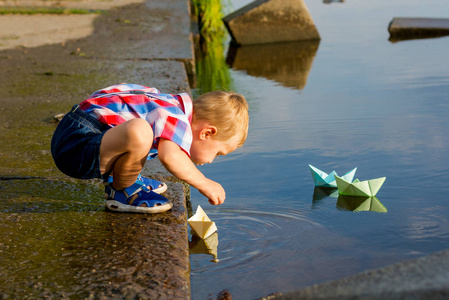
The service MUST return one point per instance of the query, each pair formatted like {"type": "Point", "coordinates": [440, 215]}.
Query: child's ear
{"type": "Point", "coordinates": [209, 131]}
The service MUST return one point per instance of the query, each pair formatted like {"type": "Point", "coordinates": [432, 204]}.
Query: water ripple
{"type": "Point", "coordinates": [250, 238]}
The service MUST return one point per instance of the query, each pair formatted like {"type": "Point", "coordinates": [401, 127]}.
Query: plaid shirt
{"type": "Point", "coordinates": [169, 115]}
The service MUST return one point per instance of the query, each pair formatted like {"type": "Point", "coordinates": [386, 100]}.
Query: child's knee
{"type": "Point", "coordinates": [139, 133]}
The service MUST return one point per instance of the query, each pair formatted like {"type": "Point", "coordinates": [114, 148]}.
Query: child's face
{"type": "Point", "coordinates": [204, 151]}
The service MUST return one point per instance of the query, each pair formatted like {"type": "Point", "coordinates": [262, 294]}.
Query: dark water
{"type": "Point", "coordinates": [353, 100]}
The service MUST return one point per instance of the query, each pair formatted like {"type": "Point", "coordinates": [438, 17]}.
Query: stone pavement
{"type": "Point", "coordinates": [56, 239]}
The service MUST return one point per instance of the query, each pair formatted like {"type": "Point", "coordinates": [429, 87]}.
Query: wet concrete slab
{"type": "Point", "coordinates": [56, 239]}
{"type": "Point", "coordinates": [423, 278]}
{"type": "Point", "coordinates": [60, 243]}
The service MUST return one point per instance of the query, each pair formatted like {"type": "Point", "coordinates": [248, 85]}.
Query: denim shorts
{"type": "Point", "coordinates": [75, 145]}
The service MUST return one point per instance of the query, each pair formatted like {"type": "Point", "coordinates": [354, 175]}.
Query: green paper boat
{"type": "Point", "coordinates": [367, 188]}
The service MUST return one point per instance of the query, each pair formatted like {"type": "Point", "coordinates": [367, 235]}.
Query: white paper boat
{"type": "Point", "coordinates": [322, 179]}
{"type": "Point", "coordinates": [367, 188]}
{"type": "Point", "coordinates": [201, 225]}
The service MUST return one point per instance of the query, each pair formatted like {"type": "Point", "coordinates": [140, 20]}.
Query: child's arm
{"type": "Point", "coordinates": [179, 164]}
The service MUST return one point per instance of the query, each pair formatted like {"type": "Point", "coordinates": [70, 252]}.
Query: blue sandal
{"type": "Point", "coordinates": [130, 199]}
{"type": "Point", "coordinates": [154, 185]}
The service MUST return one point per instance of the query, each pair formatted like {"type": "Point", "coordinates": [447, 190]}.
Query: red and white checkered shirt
{"type": "Point", "coordinates": [169, 115]}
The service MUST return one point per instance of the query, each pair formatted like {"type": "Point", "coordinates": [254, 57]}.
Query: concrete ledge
{"type": "Point", "coordinates": [423, 278]}
{"type": "Point", "coordinates": [271, 21]}
{"type": "Point", "coordinates": [56, 240]}
{"type": "Point", "coordinates": [410, 28]}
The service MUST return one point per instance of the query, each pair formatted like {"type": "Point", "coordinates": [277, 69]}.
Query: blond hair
{"type": "Point", "coordinates": [228, 111]}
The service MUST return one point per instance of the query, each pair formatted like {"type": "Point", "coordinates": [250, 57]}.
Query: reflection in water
{"type": "Point", "coordinates": [207, 246]}
{"type": "Point", "coordinates": [224, 295]}
{"type": "Point", "coordinates": [211, 69]}
{"type": "Point", "coordinates": [351, 203]}
{"type": "Point", "coordinates": [322, 192]}
{"type": "Point", "coordinates": [247, 234]}
{"type": "Point", "coordinates": [395, 39]}
{"type": "Point", "coordinates": [258, 246]}
{"type": "Point", "coordinates": [333, 1]}
{"type": "Point", "coordinates": [360, 204]}
{"type": "Point", "coordinates": [286, 63]}
{"type": "Point", "coordinates": [212, 72]}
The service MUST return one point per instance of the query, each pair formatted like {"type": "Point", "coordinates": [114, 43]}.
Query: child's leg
{"type": "Point", "coordinates": [124, 150]}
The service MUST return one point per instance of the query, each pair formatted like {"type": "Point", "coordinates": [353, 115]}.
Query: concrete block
{"type": "Point", "coordinates": [412, 28]}
{"type": "Point", "coordinates": [286, 63]}
{"type": "Point", "coordinates": [422, 278]}
{"type": "Point", "coordinates": [271, 21]}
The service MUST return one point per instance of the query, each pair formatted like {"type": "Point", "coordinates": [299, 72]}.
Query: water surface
{"type": "Point", "coordinates": [354, 99]}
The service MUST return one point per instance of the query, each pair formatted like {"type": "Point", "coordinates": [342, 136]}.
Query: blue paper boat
{"type": "Point", "coordinates": [323, 179]}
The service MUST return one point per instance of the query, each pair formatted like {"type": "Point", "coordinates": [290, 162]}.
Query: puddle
{"type": "Point", "coordinates": [356, 100]}
{"type": "Point", "coordinates": [248, 239]}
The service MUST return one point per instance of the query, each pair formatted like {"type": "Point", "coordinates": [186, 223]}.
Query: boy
{"type": "Point", "coordinates": [111, 134]}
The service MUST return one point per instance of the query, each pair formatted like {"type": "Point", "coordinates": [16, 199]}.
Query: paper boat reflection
{"type": "Point", "coordinates": [201, 225]}
{"type": "Point", "coordinates": [322, 179]}
{"type": "Point", "coordinates": [360, 204]}
{"type": "Point", "coordinates": [319, 193]}
{"type": "Point", "coordinates": [208, 246]}
{"type": "Point", "coordinates": [367, 188]}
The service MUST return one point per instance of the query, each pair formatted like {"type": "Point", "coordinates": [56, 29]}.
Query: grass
{"type": "Point", "coordinates": [211, 68]}
{"type": "Point", "coordinates": [209, 13]}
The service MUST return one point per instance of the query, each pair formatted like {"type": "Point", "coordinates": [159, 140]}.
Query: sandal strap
{"type": "Point", "coordinates": [156, 199]}
{"type": "Point", "coordinates": [127, 193]}
{"type": "Point", "coordinates": [152, 183]}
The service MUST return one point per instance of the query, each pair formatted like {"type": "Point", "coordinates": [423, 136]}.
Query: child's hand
{"type": "Point", "coordinates": [214, 192]}
{"type": "Point", "coordinates": [179, 164]}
